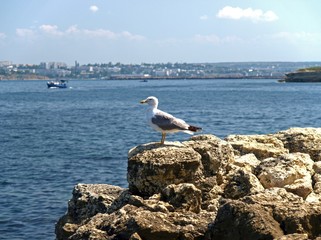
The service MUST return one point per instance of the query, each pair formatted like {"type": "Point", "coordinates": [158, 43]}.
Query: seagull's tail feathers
{"type": "Point", "coordinates": [194, 128]}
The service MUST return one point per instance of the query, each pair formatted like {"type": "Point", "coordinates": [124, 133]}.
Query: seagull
{"type": "Point", "coordinates": [165, 122]}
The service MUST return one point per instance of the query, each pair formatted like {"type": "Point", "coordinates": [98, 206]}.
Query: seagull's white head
{"type": "Point", "coordinates": [151, 101]}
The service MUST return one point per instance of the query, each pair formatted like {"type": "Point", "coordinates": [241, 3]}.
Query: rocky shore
{"type": "Point", "coordinates": [242, 187]}
{"type": "Point", "coordinates": [309, 76]}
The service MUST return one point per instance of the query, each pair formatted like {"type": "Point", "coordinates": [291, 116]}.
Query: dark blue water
{"type": "Point", "coordinates": [52, 139]}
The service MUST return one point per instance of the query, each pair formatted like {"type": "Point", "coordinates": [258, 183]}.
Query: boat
{"type": "Point", "coordinates": [57, 84]}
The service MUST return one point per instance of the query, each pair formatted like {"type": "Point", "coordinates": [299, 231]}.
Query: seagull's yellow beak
{"type": "Point", "coordinates": [143, 101]}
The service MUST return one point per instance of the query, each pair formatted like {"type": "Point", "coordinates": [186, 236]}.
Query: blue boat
{"type": "Point", "coordinates": [57, 84]}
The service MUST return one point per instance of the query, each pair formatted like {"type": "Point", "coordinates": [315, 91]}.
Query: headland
{"type": "Point", "coordinates": [312, 74]}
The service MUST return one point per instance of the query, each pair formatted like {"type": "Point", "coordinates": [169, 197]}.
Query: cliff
{"type": "Point", "coordinates": [243, 187]}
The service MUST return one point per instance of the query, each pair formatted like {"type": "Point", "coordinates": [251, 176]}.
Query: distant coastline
{"type": "Point", "coordinates": [33, 77]}
{"type": "Point", "coordinates": [157, 71]}
{"type": "Point", "coordinates": [191, 78]}
{"type": "Point", "coordinates": [24, 77]}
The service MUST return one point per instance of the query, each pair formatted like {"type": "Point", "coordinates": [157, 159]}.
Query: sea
{"type": "Point", "coordinates": [53, 139]}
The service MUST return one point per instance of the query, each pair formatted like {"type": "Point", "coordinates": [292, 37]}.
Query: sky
{"type": "Point", "coordinates": [159, 31]}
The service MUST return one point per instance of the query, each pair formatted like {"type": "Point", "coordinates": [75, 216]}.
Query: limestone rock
{"type": "Point", "coordinates": [131, 222]}
{"type": "Point", "coordinates": [242, 183]}
{"type": "Point", "coordinates": [217, 157]}
{"type": "Point", "coordinates": [87, 201]}
{"type": "Point", "coordinates": [315, 196]}
{"type": "Point", "coordinates": [200, 189]}
{"type": "Point", "coordinates": [238, 220]}
{"type": "Point", "coordinates": [269, 197]}
{"type": "Point", "coordinates": [317, 167]}
{"type": "Point", "coordinates": [248, 162]}
{"type": "Point", "coordinates": [317, 183]}
{"type": "Point", "coordinates": [303, 219]}
{"type": "Point", "coordinates": [183, 196]}
{"type": "Point", "coordinates": [291, 171]}
{"type": "Point", "coordinates": [216, 154]}
{"type": "Point", "coordinates": [294, 236]}
{"type": "Point", "coordinates": [152, 168]}
{"type": "Point", "coordinates": [294, 214]}
{"type": "Point", "coordinates": [304, 140]}
{"type": "Point", "coordinates": [262, 146]}
{"type": "Point", "coordinates": [211, 192]}
{"type": "Point", "coordinates": [271, 214]}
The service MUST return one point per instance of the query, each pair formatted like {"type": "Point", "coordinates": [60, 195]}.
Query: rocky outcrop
{"type": "Point", "coordinates": [243, 187]}
{"type": "Point", "coordinates": [306, 76]}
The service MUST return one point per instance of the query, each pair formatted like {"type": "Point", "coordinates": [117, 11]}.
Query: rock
{"type": "Point", "coordinates": [291, 171]}
{"type": "Point", "coordinates": [211, 192]}
{"type": "Point", "coordinates": [269, 197]}
{"type": "Point", "coordinates": [294, 214]}
{"type": "Point", "coordinates": [216, 154]}
{"type": "Point", "coordinates": [317, 167]}
{"type": "Point", "coordinates": [242, 183]}
{"type": "Point", "coordinates": [131, 222]}
{"type": "Point", "coordinates": [271, 214]}
{"type": "Point", "coordinates": [238, 220]}
{"type": "Point", "coordinates": [294, 236]}
{"type": "Point", "coordinates": [87, 201]}
{"type": "Point", "coordinates": [303, 76]}
{"type": "Point", "coordinates": [200, 189]}
{"type": "Point", "coordinates": [317, 183]}
{"type": "Point", "coordinates": [262, 146]}
{"type": "Point", "coordinates": [315, 196]}
{"type": "Point", "coordinates": [248, 162]}
{"type": "Point", "coordinates": [217, 157]}
{"type": "Point", "coordinates": [304, 140]}
{"type": "Point", "coordinates": [184, 196]}
{"type": "Point", "coordinates": [303, 219]}
{"type": "Point", "coordinates": [151, 168]}
{"type": "Point", "coordinates": [90, 230]}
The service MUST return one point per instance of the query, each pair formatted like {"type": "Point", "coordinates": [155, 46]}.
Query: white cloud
{"type": "Point", "coordinates": [104, 33]}
{"type": "Point", "coordinates": [214, 39]}
{"type": "Point", "coordinates": [100, 33]}
{"type": "Point", "coordinates": [74, 31]}
{"type": "Point", "coordinates": [25, 33]}
{"type": "Point", "coordinates": [51, 29]}
{"type": "Point", "coordinates": [2, 35]}
{"type": "Point", "coordinates": [131, 36]}
{"type": "Point", "coordinates": [93, 8]}
{"type": "Point", "coordinates": [255, 15]}
{"type": "Point", "coordinates": [207, 38]}
{"type": "Point", "coordinates": [204, 17]}
{"type": "Point", "coordinates": [299, 37]}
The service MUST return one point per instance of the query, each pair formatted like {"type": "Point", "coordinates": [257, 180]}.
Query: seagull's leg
{"type": "Point", "coordinates": [163, 137]}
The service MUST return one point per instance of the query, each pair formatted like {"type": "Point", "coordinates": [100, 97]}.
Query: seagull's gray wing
{"type": "Point", "coordinates": [168, 122]}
